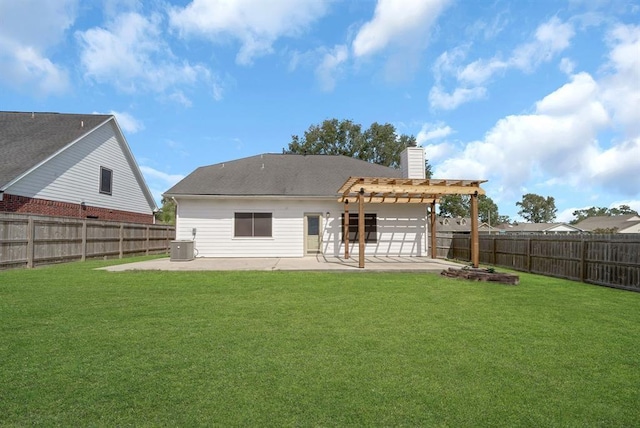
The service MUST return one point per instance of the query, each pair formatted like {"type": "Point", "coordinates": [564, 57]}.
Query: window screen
{"type": "Point", "coordinates": [252, 224]}
{"type": "Point", "coordinates": [370, 227]}
{"type": "Point", "coordinates": [106, 180]}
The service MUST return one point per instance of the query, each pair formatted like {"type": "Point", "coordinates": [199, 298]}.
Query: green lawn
{"type": "Point", "coordinates": [80, 347]}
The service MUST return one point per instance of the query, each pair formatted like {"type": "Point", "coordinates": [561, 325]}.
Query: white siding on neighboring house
{"type": "Point", "coordinates": [562, 228]}
{"type": "Point", "coordinates": [74, 175]}
{"type": "Point", "coordinates": [401, 228]}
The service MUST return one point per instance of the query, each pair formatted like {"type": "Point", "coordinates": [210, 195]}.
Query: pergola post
{"type": "Point", "coordinates": [434, 241]}
{"type": "Point", "coordinates": [361, 229]}
{"type": "Point", "coordinates": [475, 242]}
{"type": "Point", "coordinates": [346, 229]}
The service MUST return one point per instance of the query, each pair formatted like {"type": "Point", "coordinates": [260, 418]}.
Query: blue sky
{"type": "Point", "coordinates": [539, 96]}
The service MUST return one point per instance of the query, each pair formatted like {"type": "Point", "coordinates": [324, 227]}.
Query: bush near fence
{"type": "Point", "coordinates": [609, 260]}
{"type": "Point", "coordinates": [32, 240]}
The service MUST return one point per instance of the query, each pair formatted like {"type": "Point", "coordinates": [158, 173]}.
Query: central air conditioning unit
{"type": "Point", "coordinates": [181, 251]}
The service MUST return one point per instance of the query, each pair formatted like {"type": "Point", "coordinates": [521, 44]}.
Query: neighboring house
{"type": "Point", "coordinates": [461, 225]}
{"type": "Point", "coordinates": [76, 165]}
{"type": "Point", "coordinates": [629, 223]}
{"type": "Point", "coordinates": [546, 228]}
{"type": "Point", "coordinates": [286, 205]}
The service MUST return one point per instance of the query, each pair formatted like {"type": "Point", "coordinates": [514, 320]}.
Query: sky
{"type": "Point", "coordinates": [535, 96]}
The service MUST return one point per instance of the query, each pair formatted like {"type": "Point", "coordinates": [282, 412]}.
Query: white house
{"type": "Point", "coordinates": [287, 205]}
{"type": "Point", "coordinates": [77, 165]}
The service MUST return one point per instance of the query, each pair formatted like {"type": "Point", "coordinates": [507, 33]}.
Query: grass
{"type": "Point", "coordinates": [80, 347]}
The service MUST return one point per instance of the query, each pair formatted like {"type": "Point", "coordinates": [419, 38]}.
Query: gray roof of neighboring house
{"type": "Point", "coordinates": [619, 222]}
{"type": "Point", "coordinates": [278, 175]}
{"type": "Point", "coordinates": [26, 139]}
{"type": "Point", "coordinates": [534, 227]}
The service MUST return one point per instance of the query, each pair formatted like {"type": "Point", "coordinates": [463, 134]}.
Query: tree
{"type": "Point", "coordinates": [460, 206]}
{"type": "Point", "coordinates": [167, 214]}
{"type": "Point", "coordinates": [537, 209]}
{"type": "Point", "coordinates": [378, 144]}
{"type": "Point", "coordinates": [454, 206]}
{"type": "Point", "coordinates": [601, 211]}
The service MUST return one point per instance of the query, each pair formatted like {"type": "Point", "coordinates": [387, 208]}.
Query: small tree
{"type": "Point", "coordinates": [167, 214]}
{"type": "Point", "coordinates": [460, 206]}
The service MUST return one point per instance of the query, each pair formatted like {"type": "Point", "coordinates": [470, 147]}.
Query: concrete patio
{"type": "Point", "coordinates": [310, 263]}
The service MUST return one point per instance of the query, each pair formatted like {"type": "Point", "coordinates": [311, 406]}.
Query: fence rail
{"type": "Point", "coordinates": [609, 260]}
{"type": "Point", "coordinates": [31, 240]}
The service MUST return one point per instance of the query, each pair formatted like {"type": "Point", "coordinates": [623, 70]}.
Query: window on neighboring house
{"type": "Point", "coordinates": [370, 227]}
{"type": "Point", "coordinates": [106, 180]}
{"type": "Point", "coordinates": [252, 224]}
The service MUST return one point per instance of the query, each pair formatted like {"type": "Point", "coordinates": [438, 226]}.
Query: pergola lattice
{"type": "Point", "coordinates": [380, 190]}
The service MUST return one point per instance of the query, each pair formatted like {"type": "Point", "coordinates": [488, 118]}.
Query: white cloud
{"type": "Point", "coordinates": [436, 152]}
{"type": "Point", "coordinates": [550, 38]}
{"type": "Point", "coordinates": [127, 122]}
{"type": "Point", "coordinates": [330, 66]}
{"type": "Point", "coordinates": [480, 71]}
{"type": "Point", "coordinates": [559, 142]}
{"type": "Point", "coordinates": [130, 53]}
{"type": "Point", "coordinates": [621, 91]}
{"type": "Point", "coordinates": [431, 131]}
{"type": "Point", "coordinates": [567, 66]}
{"type": "Point", "coordinates": [257, 25]}
{"type": "Point", "coordinates": [25, 39]}
{"type": "Point", "coordinates": [154, 175]}
{"type": "Point", "coordinates": [617, 167]}
{"type": "Point", "coordinates": [440, 99]}
{"type": "Point", "coordinates": [397, 22]}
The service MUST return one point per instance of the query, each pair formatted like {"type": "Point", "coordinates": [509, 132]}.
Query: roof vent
{"type": "Point", "coordinates": [81, 124]}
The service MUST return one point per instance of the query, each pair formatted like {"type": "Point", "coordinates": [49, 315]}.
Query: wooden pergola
{"type": "Point", "coordinates": [378, 190]}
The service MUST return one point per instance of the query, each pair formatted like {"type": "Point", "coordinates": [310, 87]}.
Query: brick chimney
{"type": "Point", "coordinates": [412, 163]}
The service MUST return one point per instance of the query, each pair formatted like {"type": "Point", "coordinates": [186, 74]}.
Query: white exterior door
{"type": "Point", "coordinates": [312, 233]}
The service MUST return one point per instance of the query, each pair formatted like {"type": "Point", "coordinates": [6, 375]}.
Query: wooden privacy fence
{"type": "Point", "coordinates": [609, 260]}
{"type": "Point", "coordinates": [29, 240]}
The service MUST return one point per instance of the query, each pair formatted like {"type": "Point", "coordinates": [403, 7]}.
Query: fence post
{"type": "Point", "coordinates": [31, 232]}
{"type": "Point", "coordinates": [84, 240]}
{"type": "Point", "coordinates": [121, 243]}
{"type": "Point", "coordinates": [529, 255]}
{"type": "Point", "coordinates": [493, 249]}
{"type": "Point", "coordinates": [148, 232]}
{"type": "Point", "coordinates": [583, 260]}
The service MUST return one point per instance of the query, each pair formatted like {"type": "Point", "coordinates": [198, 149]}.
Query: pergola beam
{"type": "Point", "coordinates": [424, 189]}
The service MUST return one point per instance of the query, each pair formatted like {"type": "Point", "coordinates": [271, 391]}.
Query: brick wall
{"type": "Point", "coordinates": [25, 205]}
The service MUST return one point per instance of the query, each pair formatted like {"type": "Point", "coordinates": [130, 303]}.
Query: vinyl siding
{"type": "Point", "coordinates": [401, 229]}
{"type": "Point", "coordinates": [412, 163]}
{"type": "Point", "coordinates": [74, 175]}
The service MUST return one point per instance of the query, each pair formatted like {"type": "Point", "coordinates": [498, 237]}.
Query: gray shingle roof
{"type": "Point", "coordinates": [26, 139]}
{"type": "Point", "coordinates": [278, 175]}
{"type": "Point", "coordinates": [535, 227]}
{"type": "Point", "coordinates": [619, 222]}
